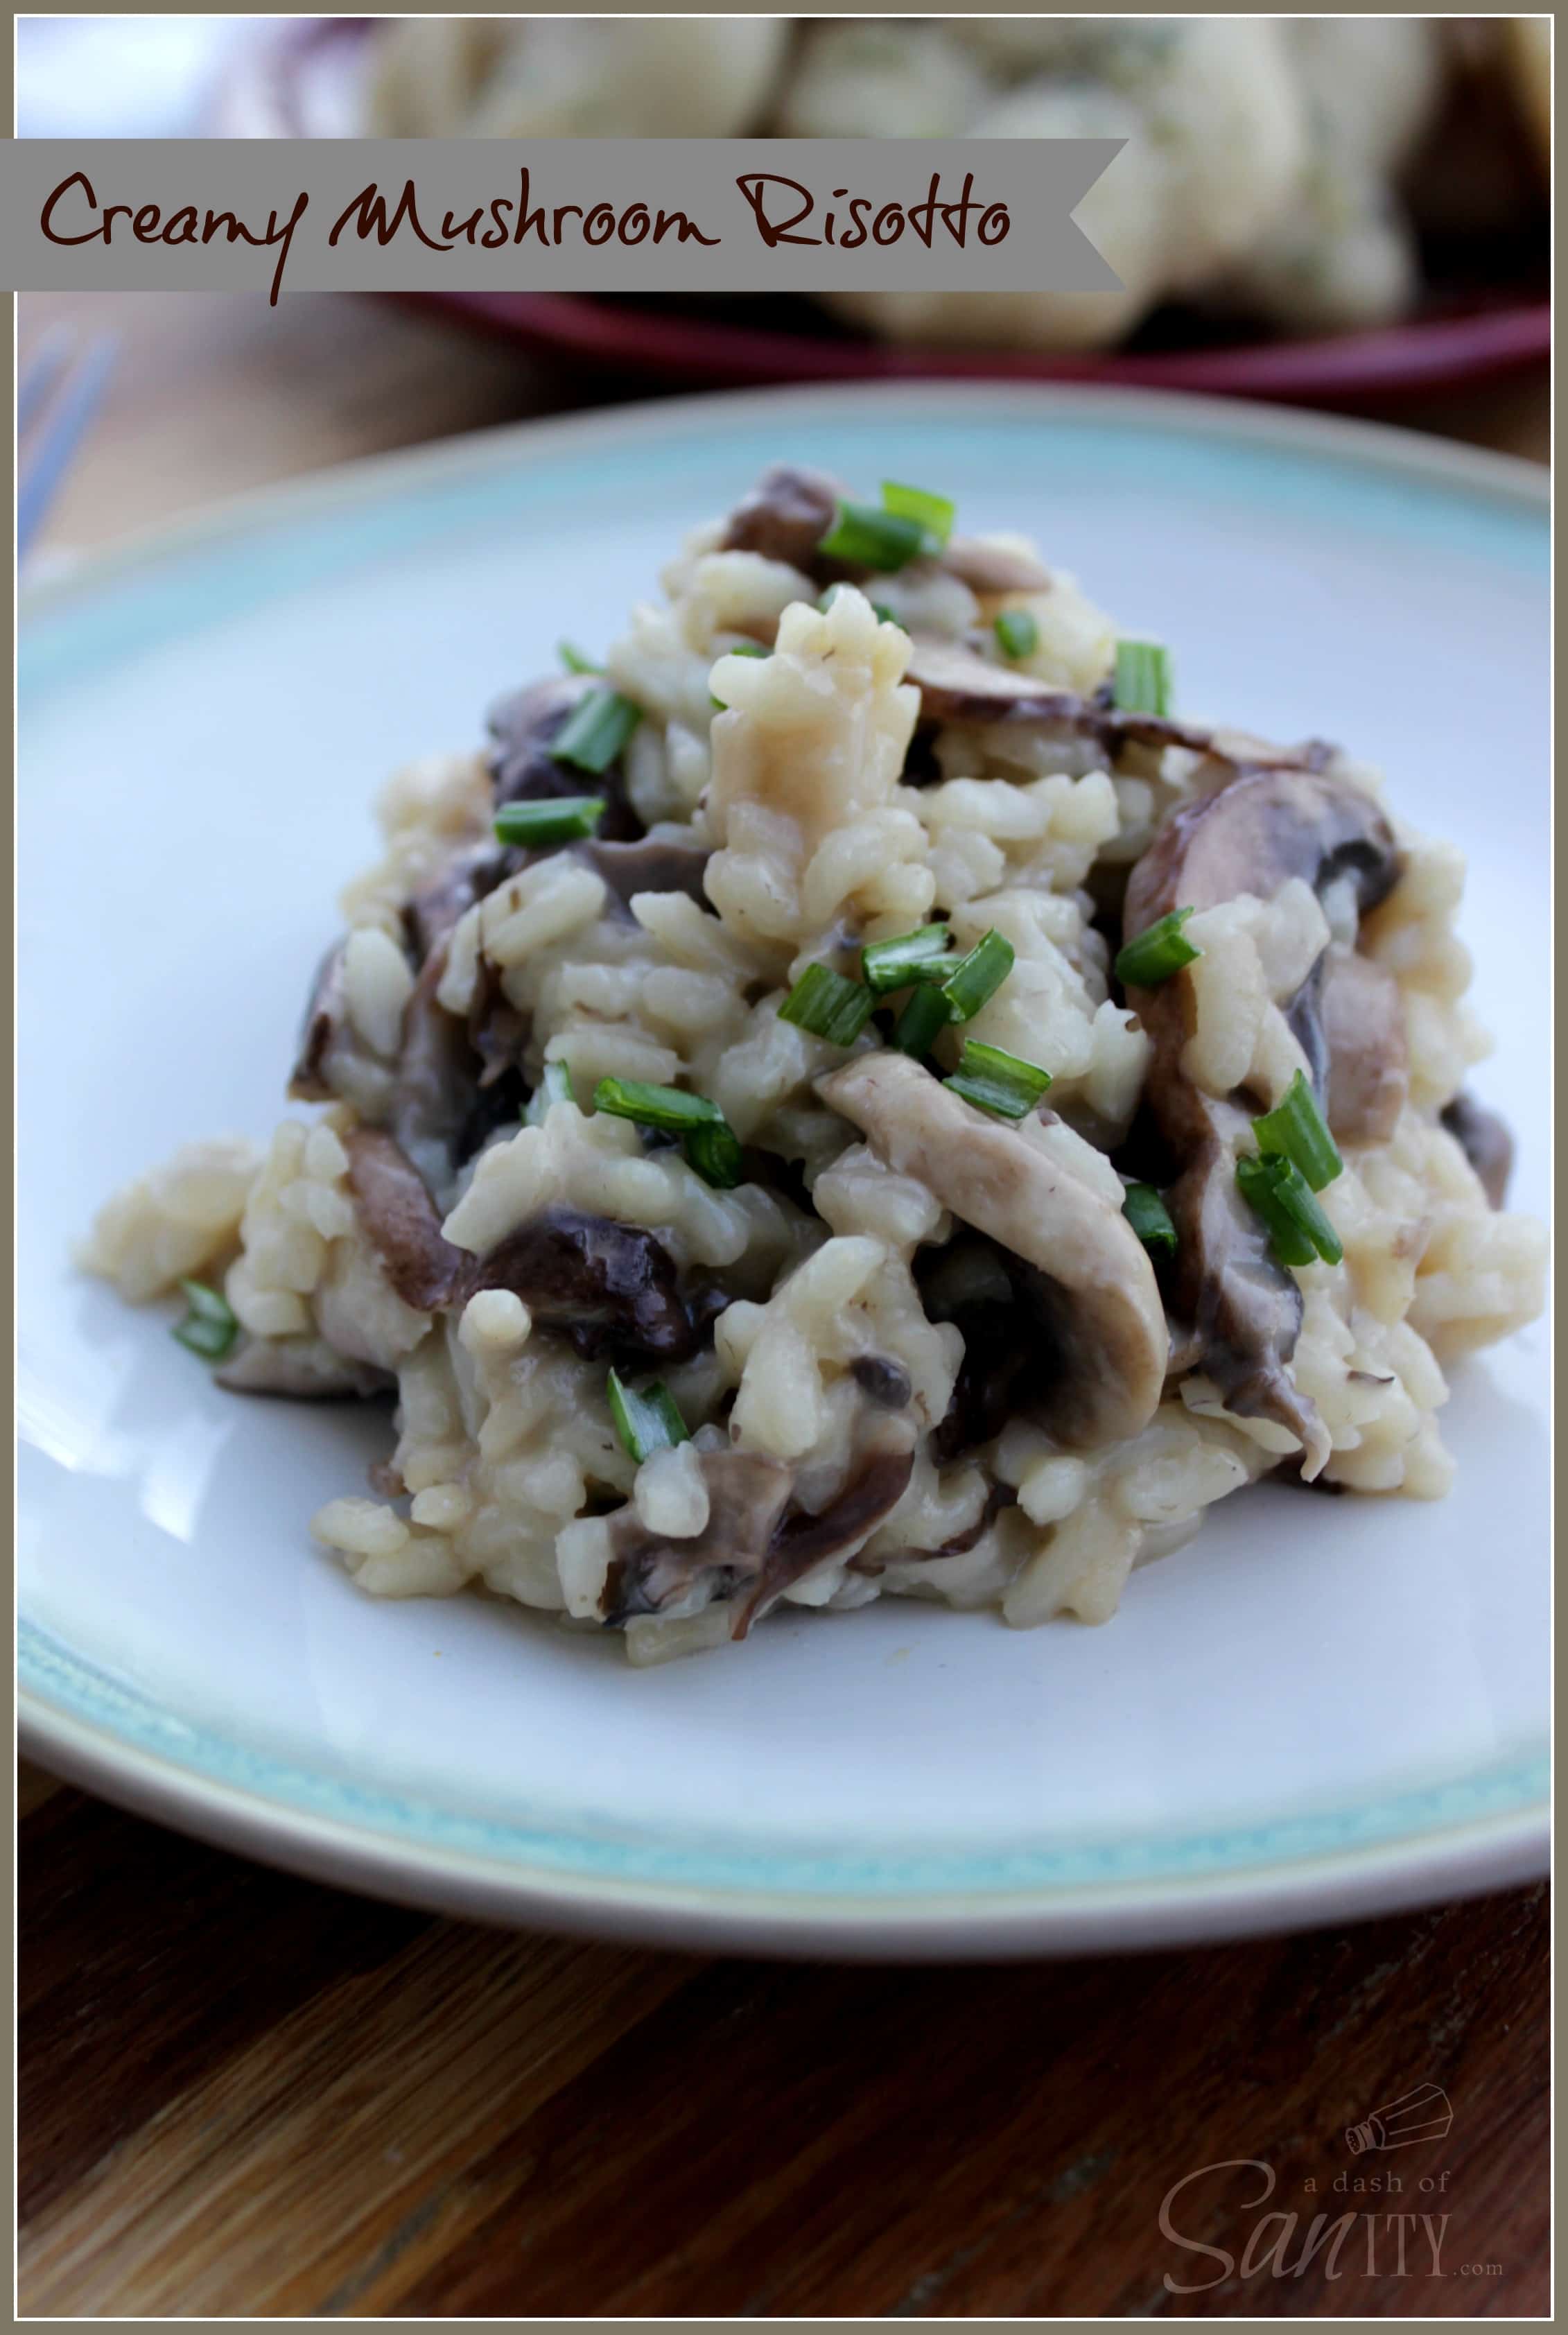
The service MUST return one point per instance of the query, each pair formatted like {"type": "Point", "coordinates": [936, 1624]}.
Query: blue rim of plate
{"type": "Point", "coordinates": [1437, 1837]}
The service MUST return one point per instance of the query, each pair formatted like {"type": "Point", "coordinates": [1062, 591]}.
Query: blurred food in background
{"type": "Point", "coordinates": [1320, 175]}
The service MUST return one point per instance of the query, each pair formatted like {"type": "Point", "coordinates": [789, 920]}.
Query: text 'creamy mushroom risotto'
{"type": "Point", "coordinates": [853, 1098]}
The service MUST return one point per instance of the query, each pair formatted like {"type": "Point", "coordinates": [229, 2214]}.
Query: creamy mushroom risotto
{"type": "Point", "coordinates": [852, 1096]}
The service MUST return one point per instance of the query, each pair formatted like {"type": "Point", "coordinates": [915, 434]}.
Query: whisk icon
{"type": "Point", "coordinates": [1421, 2115]}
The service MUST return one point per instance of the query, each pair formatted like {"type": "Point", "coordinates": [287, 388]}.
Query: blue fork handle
{"type": "Point", "coordinates": [68, 422]}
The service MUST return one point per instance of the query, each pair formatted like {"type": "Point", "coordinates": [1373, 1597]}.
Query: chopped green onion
{"type": "Point", "coordinates": [742, 648]}
{"type": "Point", "coordinates": [928, 1013]}
{"type": "Point", "coordinates": [884, 615]}
{"type": "Point", "coordinates": [646, 1420]}
{"type": "Point", "coordinates": [574, 660]}
{"type": "Point", "coordinates": [997, 1082]}
{"type": "Point", "coordinates": [669, 1108]}
{"type": "Point", "coordinates": [828, 1006]}
{"type": "Point", "coordinates": [707, 1139]}
{"type": "Point", "coordinates": [210, 1325]}
{"type": "Point", "coordinates": [864, 536]}
{"type": "Point", "coordinates": [921, 956]}
{"type": "Point", "coordinates": [1294, 1130]}
{"type": "Point", "coordinates": [1299, 1231]}
{"type": "Point", "coordinates": [596, 731]}
{"type": "Point", "coordinates": [1143, 678]}
{"type": "Point", "coordinates": [935, 513]}
{"type": "Point", "coordinates": [554, 1085]}
{"type": "Point", "coordinates": [1017, 633]}
{"type": "Point", "coordinates": [714, 1152]}
{"type": "Point", "coordinates": [978, 976]}
{"type": "Point", "coordinates": [556, 818]}
{"type": "Point", "coordinates": [1149, 1217]}
{"type": "Point", "coordinates": [1157, 953]}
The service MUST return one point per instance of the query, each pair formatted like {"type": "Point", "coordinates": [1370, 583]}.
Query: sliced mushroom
{"type": "Point", "coordinates": [400, 1219]}
{"type": "Point", "coordinates": [887, 1384]}
{"type": "Point", "coordinates": [1362, 1018]}
{"type": "Point", "coordinates": [1485, 1141]}
{"type": "Point", "coordinates": [306, 1369]}
{"type": "Point", "coordinates": [802, 1541]}
{"type": "Point", "coordinates": [432, 1108]}
{"type": "Point", "coordinates": [1251, 836]}
{"type": "Point", "coordinates": [785, 517]}
{"type": "Point", "coordinates": [660, 862]}
{"type": "Point", "coordinates": [649, 1574]}
{"type": "Point", "coordinates": [956, 683]}
{"type": "Point", "coordinates": [988, 568]}
{"type": "Point", "coordinates": [472, 871]}
{"type": "Point", "coordinates": [332, 1061]}
{"type": "Point", "coordinates": [524, 728]}
{"type": "Point", "coordinates": [612, 1289]}
{"type": "Point", "coordinates": [1099, 1367]}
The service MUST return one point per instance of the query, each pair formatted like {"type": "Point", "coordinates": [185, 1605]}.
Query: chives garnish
{"type": "Point", "coordinates": [714, 1152]}
{"type": "Point", "coordinates": [573, 658]}
{"type": "Point", "coordinates": [1299, 1231]}
{"type": "Point", "coordinates": [646, 1419]}
{"type": "Point", "coordinates": [926, 1012]}
{"type": "Point", "coordinates": [884, 615]}
{"type": "Point", "coordinates": [932, 513]}
{"type": "Point", "coordinates": [921, 955]}
{"type": "Point", "coordinates": [557, 818]}
{"type": "Point", "coordinates": [978, 976]}
{"type": "Point", "coordinates": [998, 1082]}
{"type": "Point", "coordinates": [742, 648]}
{"type": "Point", "coordinates": [210, 1325]}
{"type": "Point", "coordinates": [596, 731]}
{"type": "Point", "coordinates": [1157, 953]}
{"type": "Point", "coordinates": [1149, 1217]}
{"type": "Point", "coordinates": [828, 1006]}
{"type": "Point", "coordinates": [864, 536]}
{"type": "Point", "coordinates": [707, 1139]}
{"type": "Point", "coordinates": [1017, 633]}
{"type": "Point", "coordinates": [554, 1085]}
{"type": "Point", "coordinates": [1294, 1130]}
{"type": "Point", "coordinates": [1142, 677]}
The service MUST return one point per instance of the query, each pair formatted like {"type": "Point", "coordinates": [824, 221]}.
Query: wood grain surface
{"type": "Point", "coordinates": [242, 2094]}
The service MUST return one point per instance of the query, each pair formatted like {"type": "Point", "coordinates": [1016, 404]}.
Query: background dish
{"type": "Point", "coordinates": [307, 81]}
{"type": "Point", "coordinates": [1350, 1720]}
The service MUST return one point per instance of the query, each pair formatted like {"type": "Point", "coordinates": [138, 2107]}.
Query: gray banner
{"type": "Point", "coordinates": [581, 215]}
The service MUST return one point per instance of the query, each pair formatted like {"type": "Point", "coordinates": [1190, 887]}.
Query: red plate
{"type": "Point", "coordinates": [302, 79]}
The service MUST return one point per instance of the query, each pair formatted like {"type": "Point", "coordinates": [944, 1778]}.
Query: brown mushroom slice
{"type": "Point", "coordinates": [1362, 1018]}
{"type": "Point", "coordinates": [784, 517]}
{"type": "Point", "coordinates": [333, 1062]}
{"type": "Point", "coordinates": [1251, 836]}
{"type": "Point", "coordinates": [1087, 1276]}
{"type": "Point", "coordinates": [304, 1370]}
{"type": "Point", "coordinates": [400, 1219]}
{"type": "Point", "coordinates": [659, 862]}
{"type": "Point", "coordinates": [956, 683]}
{"type": "Point", "coordinates": [1486, 1142]}
{"type": "Point", "coordinates": [802, 1541]}
{"type": "Point", "coordinates": [651, 1574]}
{"type": "Point", "coordinates": [612, 1289]}
{"type": "Point", "coordinates": [524, 728]}
{"type": "Point", "coordinates": [988, 568]}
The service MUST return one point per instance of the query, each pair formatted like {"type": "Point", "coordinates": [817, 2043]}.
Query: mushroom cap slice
{"type": "Point", "coordinates": [1090, 1278]}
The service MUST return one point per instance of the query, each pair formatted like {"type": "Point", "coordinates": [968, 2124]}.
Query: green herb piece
{"type": "Point", "coordinates": [646, 1419]}
{"type": "Point", "coordinates": [596, 731]}
{"type": "Point", "coordinates": [828, 1006]}
{"type": "Point", "coordinates": [924, 955]}
{"type": "Point", "coordinates": [1017, 633]}
{"type": "Point", "coordinates": [934, 514]}
{"type": "Point", "coordinates": [574, 660]}
{"type": "Point", "coordinates": [1294, 1130]}
{"type": "Point", "coordinates": [926, 1013]}
{"type": "Point", "coordinates": [1149, 1217]}
{"type": "Point", "coordinates": [1157, 953]}
{"type": "Point", "coordinates": [978, 976]}
{"type": "Point", "coordinates": [554, 1085]}
{"type": "Point", "coordinates": [210, 1325]}
{"type": "Point", "coordinates": [884, 615]}
{"type": "Point", "coordinates": [1143, 678]}
{"type": "Point", "coordinates": [864, 536]}
{"type": "Point", "coordinates": [555, 818]}
{"type": "Point", "coordinates": [1299, 1231]}
{"type": "Point", "coordinates": [707, 1139]}
{"type": "Point", "coordinates": [997, 1082]}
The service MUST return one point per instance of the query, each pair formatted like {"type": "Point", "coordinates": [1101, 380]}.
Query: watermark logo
{"type": "Point", "coordinates": [1421, 2115]}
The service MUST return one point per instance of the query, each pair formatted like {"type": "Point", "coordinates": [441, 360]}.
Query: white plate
{"type": "Point", "coordinates": [1319, 1708]}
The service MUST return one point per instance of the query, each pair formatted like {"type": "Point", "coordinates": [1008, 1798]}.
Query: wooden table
{"type": "Point", "coordinates": [243, 2094]}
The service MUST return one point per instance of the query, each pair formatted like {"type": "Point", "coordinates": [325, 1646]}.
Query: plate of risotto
{"type": "Point", "coordinates": [876, 1286]}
